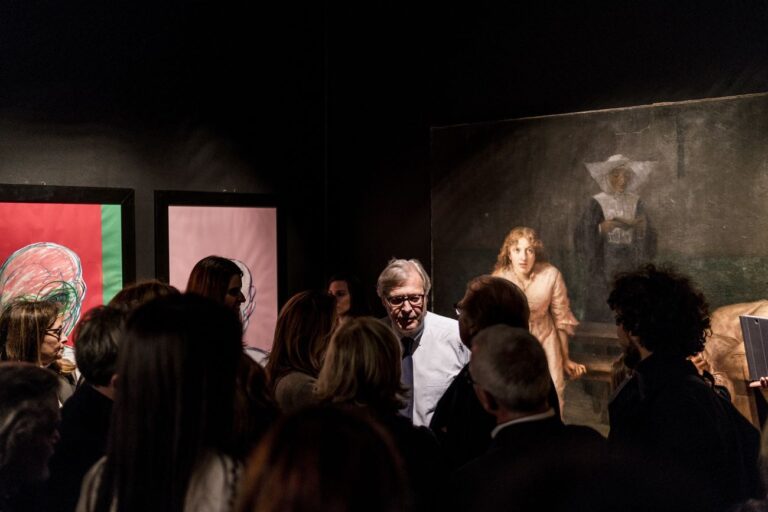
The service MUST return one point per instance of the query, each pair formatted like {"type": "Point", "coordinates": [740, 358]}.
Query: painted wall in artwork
{"type": "Point", "coordinates": [246, 235]}
{"type": "Point", "coordinates": [704, 196]}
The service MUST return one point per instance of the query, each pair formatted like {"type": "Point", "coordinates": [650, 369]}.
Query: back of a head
{"type": "Point", "coordinates": [134, 295]}
{"type": "Point", "coordinates": [28, 418]}
{"type": "Point", "coordinates": [494, 300]}
{"type": "Point", "coordinates": [362, 366]}
{"type": "Point", "coordinates": [98, 335]}
{"type": "Point", "coordinates": [663, 309]}
{"type": "Point", "coordinates": [302, 333]}
{"type": "Point", "coordinates": [22, 328]}
{"type": "Point", "coordinates": [325, 459]}
{"type": "Point", "coordinates": [210, 277]}
{"type": "Point", "coordinates": [21, 382]}
{"type": "Point", "coordinates": [511, 365]}
{"type": "Point", "coordinates": [174, 400]}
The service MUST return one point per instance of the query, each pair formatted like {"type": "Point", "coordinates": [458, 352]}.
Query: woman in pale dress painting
{"type": "Point", "coordinates": [521, 261]}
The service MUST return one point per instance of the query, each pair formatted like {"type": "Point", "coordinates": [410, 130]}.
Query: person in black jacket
{"type": "Point", "coordinates": [665, 417]}
{"type": "Point", "coordinates": [460, 423]}
{"type": "Point", "coordinates": [85, 417]}
{"type": "Point", "coordinates": [533, 454]}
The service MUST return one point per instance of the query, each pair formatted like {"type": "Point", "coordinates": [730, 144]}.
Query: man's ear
{"type": "Point", "coordinates": [634, 339]}
{"type": "Point", "coordinates": [113, 381]}
{"type": "Point", "coordinates": [487, 400]}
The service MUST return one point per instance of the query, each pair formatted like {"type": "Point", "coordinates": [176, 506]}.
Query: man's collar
{"type": "Point", "coordinates": [525, 419]}
{"type": "Point", "coordinates": [656, 371]}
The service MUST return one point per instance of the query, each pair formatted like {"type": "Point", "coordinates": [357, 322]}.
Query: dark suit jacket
{"type": "Point", "coordinates": [425, 471]}
{"type": "Point", "coordinates": [84, 428]}
{"type": "Point", "coordinates": [462, 426]}
{"type": "Point", "coordinates": [526, 467]}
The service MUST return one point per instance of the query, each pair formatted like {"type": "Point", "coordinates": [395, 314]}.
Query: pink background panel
{"type": "Point", "coordinates": [245, 234]}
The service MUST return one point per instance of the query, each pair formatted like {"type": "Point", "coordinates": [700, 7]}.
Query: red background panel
{"type": "Point", "coordinates": [75, 226]}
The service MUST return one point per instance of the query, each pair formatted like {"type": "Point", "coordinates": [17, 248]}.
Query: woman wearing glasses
{"type": "Point", "coordinates": [32, 331]}
{"type": "Point", "coordinates": [521, 260]}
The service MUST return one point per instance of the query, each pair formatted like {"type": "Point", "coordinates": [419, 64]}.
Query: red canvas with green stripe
{"type": "Point", "coordinates": [69, 252]}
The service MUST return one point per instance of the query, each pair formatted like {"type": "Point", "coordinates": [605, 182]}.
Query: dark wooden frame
{"type": "Point", "coordinates": [167, 198]}
{"type": "Point", "coordinates": [124, 197]}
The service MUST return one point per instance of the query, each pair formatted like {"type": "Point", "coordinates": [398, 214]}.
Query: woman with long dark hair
{"type": "Point", "coordinates": [172, 426]}
{"type": "Point", "coordinates": [219, 279]}
{"type": "Point", "coordinates": [301, 336]}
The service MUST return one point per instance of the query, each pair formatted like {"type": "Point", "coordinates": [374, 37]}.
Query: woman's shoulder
{"type": "Point", "coordinates": [214, 484]}
{"type": "Point", "coordinates": [545, 268]}
{"type": "Point", "coordinates": [295, 390]}
{"type": "Point", "coordinates": [292, 379]}
{"type": "Point", "coordinates": [292, 384]}
{"type": "Point", "coordinates": [505, 272]}
{"type": "Point", "coordinates": [90, 487]}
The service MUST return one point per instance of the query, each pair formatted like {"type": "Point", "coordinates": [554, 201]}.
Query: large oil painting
{"type": "Point", "coordinates": [679, 183]}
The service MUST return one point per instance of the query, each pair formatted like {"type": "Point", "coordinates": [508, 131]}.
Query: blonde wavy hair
{"type": "Point", "coordinates": [503, 262]}
{"type": "Point", "coordinates": [362, 367]}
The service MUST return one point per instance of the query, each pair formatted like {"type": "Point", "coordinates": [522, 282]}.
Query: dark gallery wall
{"type": "Point", "coordinates": [208, 96]}
{"type": "Point", "coordinates": [396, 70]}
{"type": "Point", "coordinates": [329, 105]}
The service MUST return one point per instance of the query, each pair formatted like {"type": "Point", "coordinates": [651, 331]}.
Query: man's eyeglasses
{"type": "Point", "coordinates": [414, 300]}
{"type": "Point", "coordinates": [56, 333]}
{"type": "Point", "coordinates": [457, 308]}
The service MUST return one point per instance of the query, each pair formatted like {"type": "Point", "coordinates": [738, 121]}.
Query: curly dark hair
{"type": "Point", "coordinates": [662, 308]}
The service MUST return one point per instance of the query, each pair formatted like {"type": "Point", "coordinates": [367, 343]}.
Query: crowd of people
{"type": "Point", "coordinates": [164, 409]}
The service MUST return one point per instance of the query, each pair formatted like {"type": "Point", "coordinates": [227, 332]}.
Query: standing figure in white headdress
{"type": "Point", "coordinates": [614, 234]}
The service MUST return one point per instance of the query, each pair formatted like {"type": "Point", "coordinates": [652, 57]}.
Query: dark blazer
{"type": "Point", "coordinates": [425, 470]}
{"type": "Point", "coordinates": [462, 426]}
{"type": "Point", "coordinates": [526, 467]}
{"type": "Point", "coordinates": [669, 418]}
{"type": "Point", "coordinates": [84, 428]}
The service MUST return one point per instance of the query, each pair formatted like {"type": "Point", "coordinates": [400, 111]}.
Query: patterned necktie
{"type": "Point", "coordinates": [407, 375]}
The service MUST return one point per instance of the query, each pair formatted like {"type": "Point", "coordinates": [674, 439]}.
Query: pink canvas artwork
{"type": "Point", "coordinates": [244, 234]}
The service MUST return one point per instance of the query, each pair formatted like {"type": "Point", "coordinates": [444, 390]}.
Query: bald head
{"type": "Point", "coordinates": [510, 364]}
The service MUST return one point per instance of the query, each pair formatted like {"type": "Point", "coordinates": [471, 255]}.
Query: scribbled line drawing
{"type": "Point", "coordinates": [45, 271]}
{"type": "Point", "coordinates": [249, 290]}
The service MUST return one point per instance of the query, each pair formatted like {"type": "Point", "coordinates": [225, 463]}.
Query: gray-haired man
{"type": "Point", "coordinates": [432, 350]}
